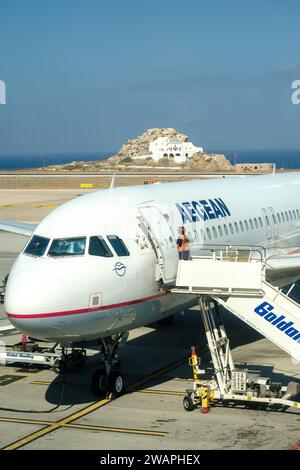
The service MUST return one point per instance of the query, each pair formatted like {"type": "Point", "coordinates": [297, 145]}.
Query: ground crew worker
{"type": "Point", "coordinates": [183, 244]}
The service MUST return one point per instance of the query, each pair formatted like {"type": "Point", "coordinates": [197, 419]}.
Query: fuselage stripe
{"type": "Point", "coordinates": [85, 310]}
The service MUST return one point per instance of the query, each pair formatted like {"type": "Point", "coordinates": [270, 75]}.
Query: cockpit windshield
{"type": "Point", "coordinates": [67, 247]}
{"type": "Point", "coordinates": [36, 246]}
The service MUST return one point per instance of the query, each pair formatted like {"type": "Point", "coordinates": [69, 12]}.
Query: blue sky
{"type": "Point", "coordinates": [86, 75]}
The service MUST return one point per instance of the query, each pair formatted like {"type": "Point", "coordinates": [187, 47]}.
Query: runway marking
{"type": "Point", "coordinates": [8, 379]}
{"type": "Point", "coordinates": [88, 427]}
{"type": "Point", "coordinates": [41, 382]}
{"type": "Point", "coordinates": [42, 432]}
{"type": "Point", "coordinates": [118, 430]}
{"type": "Point", "coordinates": [25, 421]}
{"type": "Point", "coordinates": [25, 370]}
{"type": "Point", "coordinates": [133, 387]}
{"type": "Point", "coordinates": [162, 392]}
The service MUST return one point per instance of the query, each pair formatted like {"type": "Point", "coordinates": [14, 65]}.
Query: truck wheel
{"type": "Point", "coordinates": [188, 403]}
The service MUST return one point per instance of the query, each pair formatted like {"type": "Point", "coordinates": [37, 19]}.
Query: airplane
{"type": "Point", "coordinates": [101, 264]}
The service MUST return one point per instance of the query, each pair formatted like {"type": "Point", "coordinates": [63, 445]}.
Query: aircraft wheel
{"type": "Point", "coordinates": [99, 383]}
{"type": "Point", "coordinates": [188, 403]}
{"type": "Point", "coordinates": [116, 384]}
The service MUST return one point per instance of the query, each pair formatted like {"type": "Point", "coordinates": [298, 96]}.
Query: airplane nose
{"type": "Point", "coordinates": [29, 295]}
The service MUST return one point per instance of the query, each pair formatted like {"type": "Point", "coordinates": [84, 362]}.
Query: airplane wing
{"type": "Point", "coordinates": [20, 228]}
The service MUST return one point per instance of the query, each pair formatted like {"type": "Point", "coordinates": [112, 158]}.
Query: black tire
{"type": "Point", "coordinates": [188, 403]}
{"type": "Point", "coordinates": [99, 384]}
{"type": "Point", "coordinates": [116, 384]}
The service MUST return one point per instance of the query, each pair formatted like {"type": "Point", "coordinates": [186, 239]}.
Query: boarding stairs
{"type": "Point", "coordinates": [236, 279]}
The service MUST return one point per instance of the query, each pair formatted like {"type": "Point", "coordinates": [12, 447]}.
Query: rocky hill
{"type": "Point", "coordinates": [140, 146]}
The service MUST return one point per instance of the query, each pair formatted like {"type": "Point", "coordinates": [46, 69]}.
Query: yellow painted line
{"type": "Point", "coordinates": [25, 421]}
{"type": "Point", "coordinates": [154, 375]}
{"type": "Point", "coordinates": [46, 206]}
{"type": "Point", "coordinates": [162, 392]}
{"type": "Point", "coordinates": [41, 382]}
{"type": "Point", "coordinates": [2, 206]}
{"type": "Point", "coordinates": [118, 430]}
{"type": "Point", "coordinates": [181, 379]}
{"type": "Point", "coordinates": [54, 426]}
{"type": "Point", "coordinates": [88, 427]}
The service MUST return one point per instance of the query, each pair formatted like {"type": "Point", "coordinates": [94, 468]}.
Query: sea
{"type": "Point", "coordinates": [284, 158]}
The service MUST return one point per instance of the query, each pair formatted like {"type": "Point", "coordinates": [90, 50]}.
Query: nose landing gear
{"type": "Point", "coordinates": [109, 380]}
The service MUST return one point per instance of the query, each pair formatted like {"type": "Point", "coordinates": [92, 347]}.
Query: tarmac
{"type": "Point", "coordinates": [38, 411]}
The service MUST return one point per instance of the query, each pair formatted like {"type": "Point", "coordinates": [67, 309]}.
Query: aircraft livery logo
{"type": "Point", "coordinates": [194, 211]}
{"type": "Point", "coordinates": [266, 311]}
{"type": "Point", "coordinates": [120, 269]}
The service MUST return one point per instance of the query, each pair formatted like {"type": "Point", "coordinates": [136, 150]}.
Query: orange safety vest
{"type": "Point", "coordinates": [181, 247]}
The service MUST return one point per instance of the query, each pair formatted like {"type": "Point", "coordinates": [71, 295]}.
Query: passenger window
{"type": "Point", "coordinates": [220, 230]}
{"type": "Point", "coordinates": [282, 216]}
{"type": "Point", "coordinates": [226, 230]}
{"type": "Point", "coordinates": [260, 222]}
{"type": "Point", "coordinates": [118, 245]}
{"type": "Point", "coordinates": [298, 214]}
{"type": "Point", "coordinates": [98, 247]}
{"type": "Point", "coordinates": [241, 226]}
{"type": "Point", "coordinates": [202, 235]}
{"type": "Point", "coordinates": [246, 225]}
{"type": "Point", "coordinates": [255, 223]}
{"type": "Point", "coordinates": [291, 216]}
{"type": "Point", "coordinates": [251, 224]}
{"type": "Point", "coordinates": [274, 219]}
{"type": "Point", "coordinates": [231, 228]}
{"type": "Point", "coordinates": [286, 215]}
{"type": "Point", "coordinates": [294, 214]}
{"type": "Point", "coordinates": [236, 227]}
{"type": "Point", "coordinates": [208, 233]}
{"type": "Point", "coordinates": [215, 232]}
{"type": "Point", "coordinates": [278, 217]}
{"type": "Point", "coordinates": [37, 246]}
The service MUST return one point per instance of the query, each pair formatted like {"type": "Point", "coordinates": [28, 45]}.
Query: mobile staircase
{"type": "Point", "coordinates": [235, 279]}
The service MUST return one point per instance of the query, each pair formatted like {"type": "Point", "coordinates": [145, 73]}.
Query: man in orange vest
{"type": "Point", "coordinates": [183, 244]}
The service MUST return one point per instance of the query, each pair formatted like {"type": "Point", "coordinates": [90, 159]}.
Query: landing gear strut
{"type": "Point", "coordinates": [109, 380]}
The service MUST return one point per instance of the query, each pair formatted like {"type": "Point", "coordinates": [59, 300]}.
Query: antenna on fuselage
{"type": "Point", "coordinates": [112, 183]}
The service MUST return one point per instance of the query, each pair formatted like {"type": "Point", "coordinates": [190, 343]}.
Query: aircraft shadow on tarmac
{"type": "Point", "coordinates": [170, 344]}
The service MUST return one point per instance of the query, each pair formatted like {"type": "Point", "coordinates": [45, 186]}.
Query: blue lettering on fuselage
{"type": "Point", "coordinates": [193, 211]}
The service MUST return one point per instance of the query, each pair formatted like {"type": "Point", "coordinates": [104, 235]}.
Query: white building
{"type": "Point", "coordinates": [173, 149]}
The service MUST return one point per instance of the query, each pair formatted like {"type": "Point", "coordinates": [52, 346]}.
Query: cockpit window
{"type": "Point", "coordinates": [67, 247]}
{"type": "Point", "coordinates": [98, 247]}
{"type": "Point", "coordinates": [37, 246]}
{"type": "Point", "coordinates": [118, 245]}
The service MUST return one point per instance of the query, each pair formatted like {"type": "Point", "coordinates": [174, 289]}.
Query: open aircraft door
{"type": "Point", "coordinates": [163, 242]}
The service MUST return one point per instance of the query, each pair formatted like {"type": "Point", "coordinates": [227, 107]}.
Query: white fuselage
{"type": "Point", "coordinates": [84, 296]}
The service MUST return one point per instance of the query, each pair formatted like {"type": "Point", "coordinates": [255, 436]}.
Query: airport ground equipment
{"type": "Point", "coordinates": [108, 380]}
{"type": "Point", "coordinates": [236, 280]}
{"type": "Point", "coordinates": [2, 289]}
{"type": "Point", "coordinates": [30, 353]}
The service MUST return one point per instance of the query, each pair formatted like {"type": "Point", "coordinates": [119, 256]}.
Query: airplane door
{"type": "Point", "coordinates": [274, 222]}
{"type": "Point", "coordinates": [267, 223]}
{"type": "Point", "coordinates": [162, 240]}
